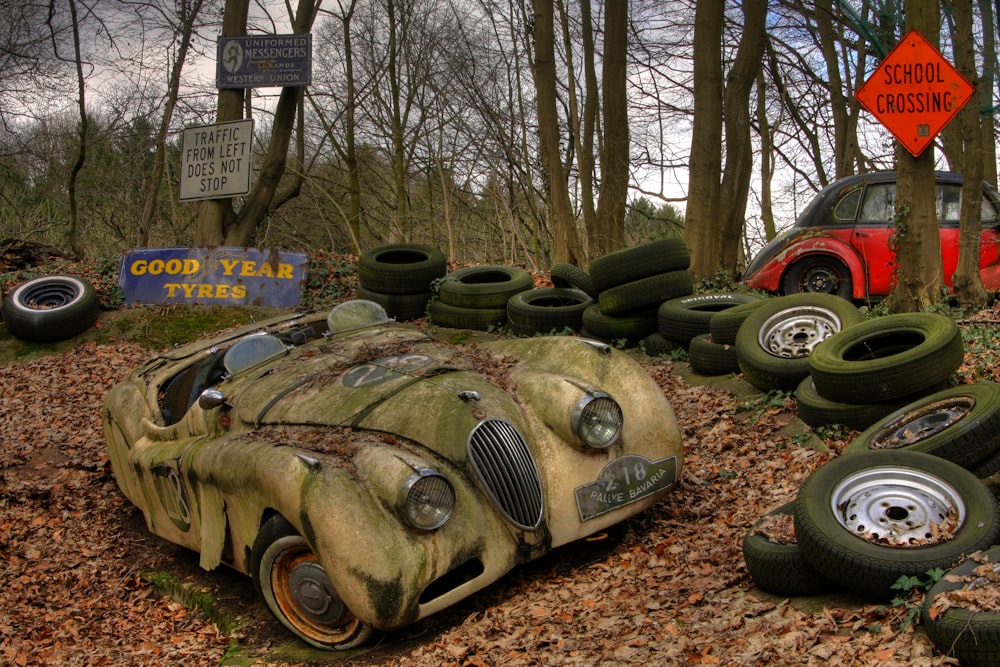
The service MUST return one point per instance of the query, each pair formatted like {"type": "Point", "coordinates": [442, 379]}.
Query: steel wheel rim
{"type": "Point", "coordinates": [923, 423]}
{"type": "Point", "coordinates": [794, 333]}
{"type": "Point", "coordinates": [820, 279]}
{"type": "Point", "coordinates": [48, 295]}
{"type": "Point", "coordinates": [898, 507]}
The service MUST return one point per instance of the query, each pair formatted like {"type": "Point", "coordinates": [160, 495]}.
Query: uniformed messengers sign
{"type": "Point", "coordinates": [915, 92]}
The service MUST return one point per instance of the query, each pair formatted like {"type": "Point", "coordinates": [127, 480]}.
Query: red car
{"type": "Point", "coordinates": [840, 243]}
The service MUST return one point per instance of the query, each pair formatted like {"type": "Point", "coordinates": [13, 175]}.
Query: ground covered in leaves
{"type": "Point", "coordinates": [668, 587]}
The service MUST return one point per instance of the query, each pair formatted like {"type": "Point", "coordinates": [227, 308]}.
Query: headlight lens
{"type": "Point", "coordinates": [430, 500]}
{"type": "Point", "coordinates": [597, 420]}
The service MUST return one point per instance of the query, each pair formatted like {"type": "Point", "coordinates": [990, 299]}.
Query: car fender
{"type": "Point", "coordinates": [810, 246]}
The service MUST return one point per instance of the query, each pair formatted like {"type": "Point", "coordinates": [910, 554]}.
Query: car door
{"type": "Point", "coordinates": [871, 235]}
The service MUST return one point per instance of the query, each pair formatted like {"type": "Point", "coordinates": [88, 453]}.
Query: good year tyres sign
{"type": "Point", "coordinates": [213, 276]}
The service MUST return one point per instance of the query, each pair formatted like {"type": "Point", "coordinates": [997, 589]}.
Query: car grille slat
{"type": "Point", "coordinates": [503, 463]}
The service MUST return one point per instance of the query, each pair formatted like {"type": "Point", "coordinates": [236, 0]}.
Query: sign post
{"type": "Point", "coordinates": [915, 92]}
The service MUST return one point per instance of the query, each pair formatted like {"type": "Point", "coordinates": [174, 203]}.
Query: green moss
{"type": "Point", "coordinates": [191, 597]}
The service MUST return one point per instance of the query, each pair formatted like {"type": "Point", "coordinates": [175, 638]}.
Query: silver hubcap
{"type": "Point", "coordinates": [793, 333]}
{"type": "Point", "coordinates": [314, 594]}
{"type": "Point", "coordinates": [924, 422]}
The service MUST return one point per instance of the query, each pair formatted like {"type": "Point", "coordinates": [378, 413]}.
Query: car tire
{"type": "Point", "coordinates": [724, 324]}
{"type": "Point", "coordinates": [486, 286]}
{"type": "Point", "coordinates": [647, 259]}
{"type": "Point", "coordinates": [50, 308]}
{"type": "Point", "coordinates": [818, 274]}
{"type": "Point", "coordinates": [973, 637]}
{"type": "Point", "coordinates": [401, 268]}
{"type": "Point", "coordinates": [655, 345]}
{"type": "Point", "coordinates": [402, 307]}
{"type": "Point", "coordinates": [888, 357]}
{"type": "Point", "coordinates": [278, 552]}
{"type": "Point", "coordinates": [546, 309]}
{"type": "Point", "coordinates": [777, 567]}
{"type": "Point", "coordinates": [864, 520]}
{"type": "Point", "coordinates": [648, 292]}
{"type": "Point", "coordinates": [710, 358]}
{"type": "Point", "coordinates": [961, 424]}
{"type": "Point", "coordinates": [815, 410]}
{"type": "Point", "coordinates": [631, 327]}
{"type": "Point", "coordinates": [775, 341]}
{"type": "Point", "coordinates": [570, 275]}
{"type": "Point", "coordinates": [683, 318]}
{"type": "Point", "coordinates": [457, 317]}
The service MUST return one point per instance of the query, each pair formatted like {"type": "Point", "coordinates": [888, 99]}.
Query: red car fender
{"type": "Point", "coordinates": [823, 244]}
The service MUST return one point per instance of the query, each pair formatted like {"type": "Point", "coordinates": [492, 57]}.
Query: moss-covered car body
{"type": "Point", "coordinates": [328, 431]}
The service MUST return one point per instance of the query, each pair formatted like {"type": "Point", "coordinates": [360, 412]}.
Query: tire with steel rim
{"type": "Point", "coordinates": [776, 565]}
{"type": "Point", "coordinates": [864, 520]}
{"type": "Point", "coordinates": [50, 308]}
{"type": "Point", "coordinates": [775, 341]}
{"type": "Point", "coordinates": [961, 424]}
{"type": "Point", "coordinates": [888, 357]}
{"type": "Point", "coordinates": [297, 590]}
{"type": "Point", "coordinates": [821, 274]}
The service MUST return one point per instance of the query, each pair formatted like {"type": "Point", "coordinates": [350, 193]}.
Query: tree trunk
{"type": "Point", "coordinates": [988, 80]}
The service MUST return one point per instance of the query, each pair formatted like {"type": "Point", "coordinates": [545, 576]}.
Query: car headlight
{"type": "Point", "coordinates": [429, 500]}
{"type": "Point", "coordinates": [597, 420]}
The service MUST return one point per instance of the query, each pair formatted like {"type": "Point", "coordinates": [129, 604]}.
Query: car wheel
{"type": "Point", "coordinates": [565, 274]}
{"type": "Point", "coordinates": [401, 268]}
{"type": "Point", "coordinates": [683, 318]}
{"type": "Point", "coordinates": [819, 274]}
{"type": "Point", "coordinates": [483, 286]}
{"type": "Point", "coordinates": [777, 566]}
{"type": "Point", "coordinates": [298, 591]}
{"type": "Point", "coordinates": [648, 292]}
{"type": "Point", "coordinates": [401, 307]}
{"type": "Point", "coordinates": [864, 520]}
{"type": "Point", "coordinates": [50, 308]}
{"type": "Point", "coordinates": [775, 341]}
{"type": "Point", "coordinates": [546, 309]}
{"type": "Point", "coordinates": [961, 424]}
{"type": "Point", "coordinates": [888, 357]}
{"type": "Point", "coordinates": [647, 259]}
{"type": "Point", "coordinates": [971, 636]}
{"type": "Point", "coordinates": [710, 358]}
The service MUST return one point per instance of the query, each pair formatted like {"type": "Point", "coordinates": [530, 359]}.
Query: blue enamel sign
{"type": "Point", "coordinates": [213, 276]}
{"type": "Point", "coordinates": [254, 61]}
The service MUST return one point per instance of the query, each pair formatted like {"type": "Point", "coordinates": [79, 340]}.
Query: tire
{"type": "Point", "coordinates": [930, 512]}
{"type": "Point", "coordinates": [775, 341]}
{"type": "Point", "coordinates": [724, 324]}
{"type": "Point", "coordinates": [483, 286]}
{"type": "Point", "coordinates": [645, 293]}
{"type": "Point", "coordinates": [401, 268]}
{"type": "Point", "coordinates": [777, 567]}
{"type": "Point", "coordinates": [818, 274]}
{"type": "Point", "coordinates": [457, 317]}
{"type": "Point", "coordinates": [278, 551]}
{"type": "Point", "coordinates": [632, 327]}
{"type": "Point", "coordinates": [547, 309]}
{"type": "Point", "coordinates": [816, 410]}
{"type": "Point", "coordinates": [888, 357]}
{"type": "Point", "coordinates": [971, 636]}
{"type": "Point", "coordinates": [961, 424]}
{"type": "Point", "coordinates": [402, 307]}
{"type": "Point", "coordinates": [710, 358]}
{"type": "Point", "coordinates": [647, 259]}
{"type": "Point", "coordinates": [655, 345]}
{"type": "Point", "coordinates": [50, 308]}
{"type": "Point", "coordinates": [683, 318]}
{"type": "Point", "coordinates": [570, 275]}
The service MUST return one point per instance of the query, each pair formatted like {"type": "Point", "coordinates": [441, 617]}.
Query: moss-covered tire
{"type": "Point", "coordinates": [570, 275]}
{"type": "Point", "coordinates": [458, 317]}
{"type": "Point", "coordinates": [816, 410]}
{"type": "Point", "coordinates": [685, 317]}
{"type": "Point", "coordinates": [647, 259]}
{"type": "Point", "coordinates": [50, 308]}
{"type": "Point", "coordinates": [864, 520]}
{"type": "Point", "coordinates": [486, 286]}
{"type": "Point", "coordinates": [547, 310]}
{"type": "Point", "coordinates": [710, 358]}
{"type": "Point", "coordinates": [631, 327]}
{"type": "Point", "coordinates": [401, 307]}
{"type": "Point", "coordinates": [971, 636]}
{"type": "Point", "coordinates": [648, 292]}
{"type": "Point", "coordinates": [778, 567]}
{"type": "Point", "coordinates": [401, 268]}
{"type": "Point", "coordinates": [888, 357]}
{"type": "Point", "coordinates": [297, 590]}
{"type": "Point", "coordinates": [655, 345]}
{"type": "Point", "coordinates": [724, 324]}
{"type": "Point", "coordinates": [961, 424]}
{"type": "Point", "coordinates": [775, 341]}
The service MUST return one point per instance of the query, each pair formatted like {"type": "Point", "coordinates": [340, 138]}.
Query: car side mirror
{"type": "Point", "coordinates": [211, 399]}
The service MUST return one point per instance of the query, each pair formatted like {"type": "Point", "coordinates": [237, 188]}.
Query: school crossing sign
{"type": "Point", "coordinates": [915, 92]}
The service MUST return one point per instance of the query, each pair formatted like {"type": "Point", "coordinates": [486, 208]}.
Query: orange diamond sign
{"type": "Point", "coordinates": [915, 92]}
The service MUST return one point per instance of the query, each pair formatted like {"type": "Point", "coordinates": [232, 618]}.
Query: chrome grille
{"type": "Point", "coordinates": [503, 463]}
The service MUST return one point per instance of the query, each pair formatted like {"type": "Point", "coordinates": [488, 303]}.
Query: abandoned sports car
{"type": "Point", "coordinates": [366, 474]}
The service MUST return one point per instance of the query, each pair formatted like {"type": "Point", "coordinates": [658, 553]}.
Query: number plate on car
{"type": "Point", "coordinates": [625, 480]}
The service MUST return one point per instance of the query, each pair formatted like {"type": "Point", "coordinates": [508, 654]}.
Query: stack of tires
{"type": "Point", "coordinates": [871, 369]}
{"type": "Point", "coordinates": [687, 321]}
{"type": "Point", "coordinates": [631, 284]}
{"type": "Point", "coordinates": [399, 277]}
{"type": "Point", "coordinates": [476, 297]}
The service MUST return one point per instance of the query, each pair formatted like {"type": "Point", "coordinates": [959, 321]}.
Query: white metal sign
{"type": "Point", "coordinates": [215, 160]}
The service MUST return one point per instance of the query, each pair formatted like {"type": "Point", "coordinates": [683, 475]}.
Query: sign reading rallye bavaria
{"type": "Point", "coordinates": [213, 276]}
